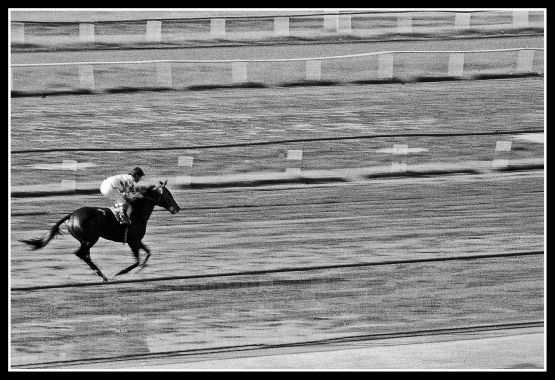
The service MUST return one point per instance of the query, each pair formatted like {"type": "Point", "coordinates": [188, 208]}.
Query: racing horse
{"type": "Point", "coordinates": [88, 224]}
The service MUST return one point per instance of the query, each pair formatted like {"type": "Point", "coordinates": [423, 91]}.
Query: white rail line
{"type": "Point", "coordinates": [273, 60]}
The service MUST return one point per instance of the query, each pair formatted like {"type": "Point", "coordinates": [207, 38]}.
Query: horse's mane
{"type": "Point", "coordinates": [145, 188]}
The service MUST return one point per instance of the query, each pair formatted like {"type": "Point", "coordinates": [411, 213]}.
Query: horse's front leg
{"type": "Point", "coordinates": [147, 250]}
{"type": "Point", "coordinates": [135, 247]}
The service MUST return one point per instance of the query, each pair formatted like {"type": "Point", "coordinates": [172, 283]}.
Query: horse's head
{"type": "Point", "coordinates": [163, 197]}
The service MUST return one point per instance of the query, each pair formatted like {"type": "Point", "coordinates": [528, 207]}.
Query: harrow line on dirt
{"type": "Point", "coordinates": [278, 270]}
{"type": "Point", "coordinates": [278, 142]}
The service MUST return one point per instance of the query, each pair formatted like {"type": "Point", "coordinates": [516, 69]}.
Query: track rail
{"type": "Point", "coordinates": [310, 343]}
{"type": "Point", "coordinates": [267, 16]}
{"type": "Point", "coordinates": [209, 61]}
{"type": "Point", "coordinates": [278, 270]}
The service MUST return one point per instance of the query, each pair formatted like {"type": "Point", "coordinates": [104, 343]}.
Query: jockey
{"type": "Point", "coordinates": [120, 189]}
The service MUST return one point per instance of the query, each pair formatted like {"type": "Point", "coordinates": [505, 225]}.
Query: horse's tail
{"type": "Point", "coordinates": [55, 230]}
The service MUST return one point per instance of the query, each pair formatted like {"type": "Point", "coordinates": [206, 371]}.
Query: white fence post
{"type": "Point", "coordinates": [239, 72]}
{"type": "Point", "coordinates": [186, 162]}
{"type": "Point", "coordinates": [404, 23]}
{"type": "Point", "coordinates": [525, 61]}
{"type": "Point", "coordinates": [69, 165]}
{"type": "Point", "coordinates": [69, 184]}
{"type": "Point", "coordinates": [462, 21]}
{"type": "Point", "coordinates": [385, 66]}
{"type": "Point", "coordinates": [86, 77]}
{"type": "Point", "coordinates": [86, 32]}
{"type": "Point", "coordinates": [520, 19]}
{"type": "Point", "coordinates": [217, 27]}
{"type": "Point", "coordinates": [500, 148]}
{"type": "Point", "coordinates": [281, 26]}
{"type": "Point", "coordinates": [400, 164]}
{"type": "Point", "coordinates": [331, 22]}
{"type": "Point", "coordinates": [313, 70]}
{"type": "Point", "coordinates": [344, 24]}
{"type": "Point", "coordinates": [18, 32]}
{"type": "Point", "coordinates": [456, 65]}
{"type": "Point", "coordinates": [294, 161]}
{"type": "Point", "coordinates": [164, 74]}
{"type": "Point", "coordinates": [153, 31]}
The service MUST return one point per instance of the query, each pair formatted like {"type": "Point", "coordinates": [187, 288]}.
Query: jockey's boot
{"type": "Point", "coordinates": [122, 215]}
{"type": "Point", "coordinates": [124, 219]}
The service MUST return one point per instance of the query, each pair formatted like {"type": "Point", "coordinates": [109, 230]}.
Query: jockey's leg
{"type": "Point", "coordinates": [125, 213]}
{"type": "Point", "coordinates": [117, 200]}
{"type": "Point", "coordinates": [119, 211]}
{"type": "Point", "coordinates": [119, 203]}
{"type": "Point", "coordinates": [129, 208]}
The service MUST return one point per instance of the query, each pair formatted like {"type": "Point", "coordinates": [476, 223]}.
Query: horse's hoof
{"type": "Point", "coordinates": [141, 267]}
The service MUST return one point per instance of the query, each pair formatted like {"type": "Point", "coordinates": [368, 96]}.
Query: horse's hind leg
{"type": "Point", "coordinates": [135, 247]}
{"type": "Point", "coordinates": [84, 253]}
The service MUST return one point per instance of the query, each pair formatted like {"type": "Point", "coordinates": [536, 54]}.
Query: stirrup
{"type": "Point", "coordinates": [125, 234]}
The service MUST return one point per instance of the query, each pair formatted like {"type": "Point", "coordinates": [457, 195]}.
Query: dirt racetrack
{"type": "Point", "coordinates": [269, 229]}
{"type": "Point", "coordinates": [228, 230]}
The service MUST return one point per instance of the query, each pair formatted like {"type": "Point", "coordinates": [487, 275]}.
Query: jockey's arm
{"type": "Point", "coordinates": [118, 190]}
{"type": "Point", "coordinates": [132, 193]}
{"type": "Point", "coordinates": [128, 193]}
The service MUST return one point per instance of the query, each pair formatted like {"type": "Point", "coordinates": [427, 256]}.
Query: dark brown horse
{"type": "Point", "coordinates": [88, 224]}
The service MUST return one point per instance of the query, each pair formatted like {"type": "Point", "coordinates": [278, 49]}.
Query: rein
{"type": "Point", "coordinates": [156, 202]}
{"type": "Point", "coordinates": [152, 199]}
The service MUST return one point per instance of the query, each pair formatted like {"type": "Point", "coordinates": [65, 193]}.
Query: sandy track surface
{"type": "Point", "coordinates": [276, 52]}
{"type": "Point", "coordinates": [407, 67]}
{"type": "Point", "coordinates": [249, 115]}
{"type": "Point", "coordinates": [521, 349]}
{"type": "Point", "coordinates": [134, 319]}
{"type": "Point", "coordinates": [332, 224]}
{"type": "Point", "coordinates": [240, 229]}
